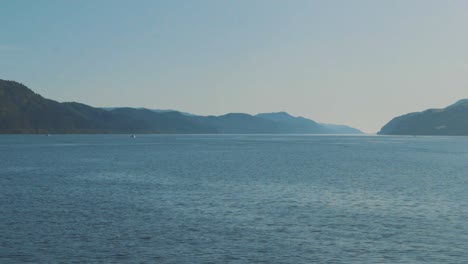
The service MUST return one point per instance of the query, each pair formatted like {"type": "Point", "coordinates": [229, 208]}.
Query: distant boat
{"type": "Point", "coordinates": [133, 136]}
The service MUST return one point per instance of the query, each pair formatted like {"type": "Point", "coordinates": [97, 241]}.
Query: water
{"type": "Point", "coordinates": [233, 199]}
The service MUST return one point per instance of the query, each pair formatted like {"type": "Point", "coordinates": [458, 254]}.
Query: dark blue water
{"type": "Point", "coordinates": [233, 199]}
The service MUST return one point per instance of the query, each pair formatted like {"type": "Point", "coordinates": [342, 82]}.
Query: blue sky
{"type": "Point", "coordinates": [350, 62]}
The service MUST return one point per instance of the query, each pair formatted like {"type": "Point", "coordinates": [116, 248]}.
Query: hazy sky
{"type": "Point", "coordinates": [352, 62]}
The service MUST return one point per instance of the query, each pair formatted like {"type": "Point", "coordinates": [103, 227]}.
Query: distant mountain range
{"type": "Point", "coordinates": [451, 121]}
{"type": "Point", "coordinates": [154, 110]}
{"type": "Point", "coordinates": [24, 112]}
{"type": "Point", "coordinates": [302, 125]}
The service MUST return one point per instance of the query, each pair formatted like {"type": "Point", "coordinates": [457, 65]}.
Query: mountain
{"type": "Point", "coordinates": [169, 110]}
{"type": "Point", "coordinates": [154, 110]}
{"type": "Point", "coordinates": [295, 125]}
{"type": "Point", "coordinates": [341, 129]}
{"type": "Point", "coordinates": [173, 122]}
{"type": "Point", "coordinates": [238, 123]}
{"type": "Point", "coordinates": [23, 111]}
{"type": "Point", "coordinates": [301, 125]}
{"type": "Point", "coordinates": [452, 120]}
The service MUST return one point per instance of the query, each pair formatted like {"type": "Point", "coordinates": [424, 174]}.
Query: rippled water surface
{"type": "Point", "coordinates": [233, 199]}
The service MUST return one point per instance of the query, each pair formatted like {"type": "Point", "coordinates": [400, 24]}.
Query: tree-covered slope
{"type": "Point", "coordinates": [23, 111]}
{"type": "Point", "coordinates": [452, 120]}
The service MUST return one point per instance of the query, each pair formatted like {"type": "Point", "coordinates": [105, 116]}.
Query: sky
{"type": "Point", "coordinates": [357, 62]}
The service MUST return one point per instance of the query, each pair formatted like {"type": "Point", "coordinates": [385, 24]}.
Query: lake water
{"type": "Point", "coordinates": [233, 199]}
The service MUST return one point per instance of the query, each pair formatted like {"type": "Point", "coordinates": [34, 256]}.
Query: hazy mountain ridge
{"type": "Point", "coordinates": [154, 110]}
{"type": "Point", "coordinates": [450, 121]}
{"type": "Point", "coordinates": [23, 111]}
{"type": "Point", "coordinates": [240, 123]}
{"type": "Point", "coordinates": [297, 125]}
{"type": "Point", "coordinates": [341, 129]}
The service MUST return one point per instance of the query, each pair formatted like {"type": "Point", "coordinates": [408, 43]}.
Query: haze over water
{"type": "Point", "coordinates": [234, 199]}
